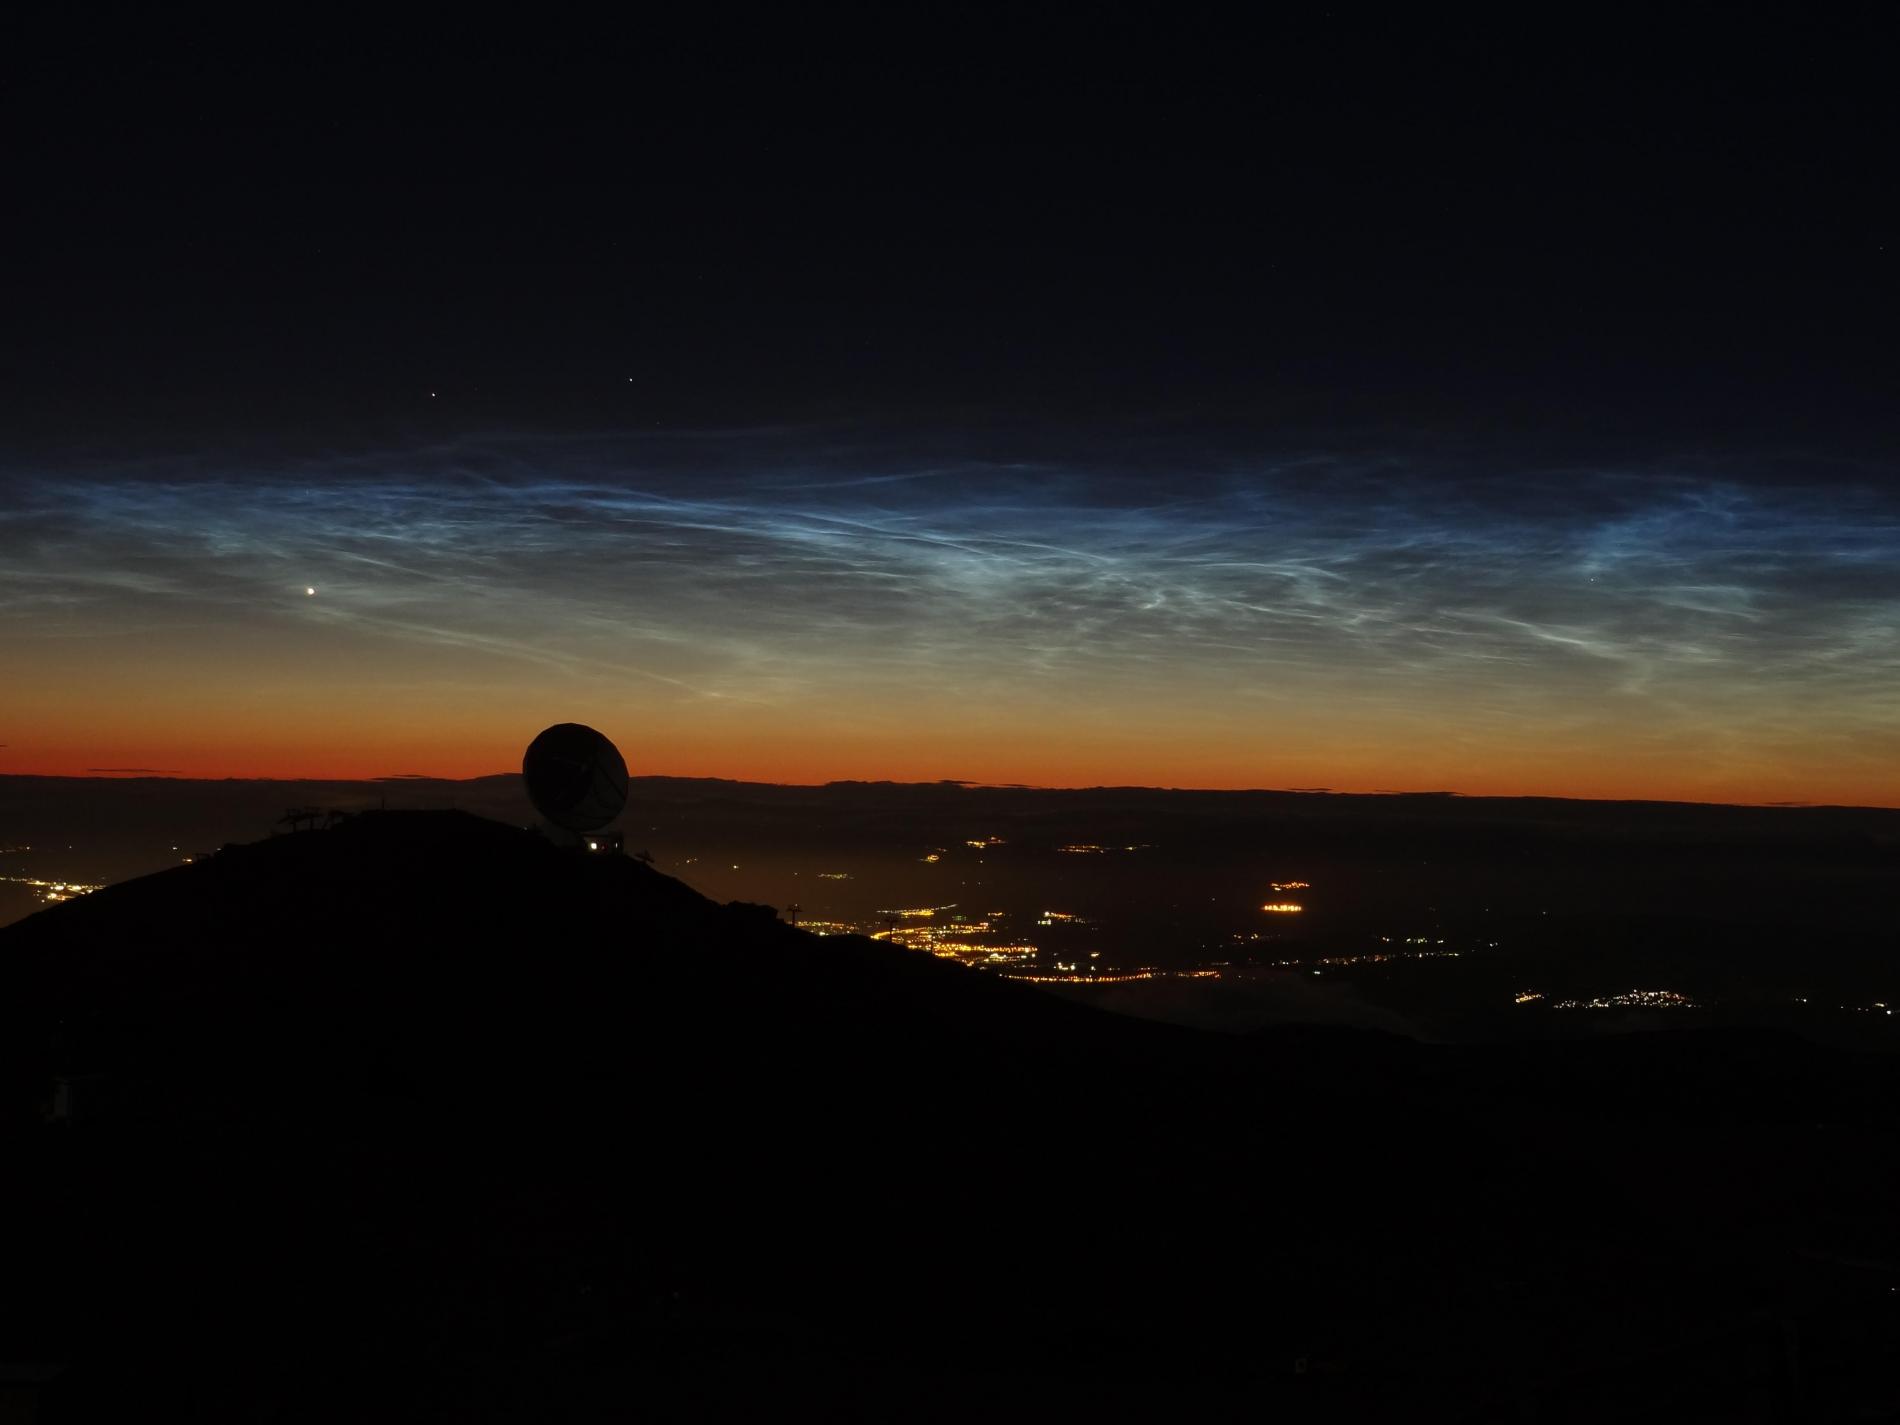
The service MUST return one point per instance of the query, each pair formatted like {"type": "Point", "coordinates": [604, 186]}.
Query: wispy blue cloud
{"type": "Point", "coordinates": [768, 567]}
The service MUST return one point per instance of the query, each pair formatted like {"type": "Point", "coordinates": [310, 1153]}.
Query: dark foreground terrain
{"type": "Point", "coordinates": [421, 1118]}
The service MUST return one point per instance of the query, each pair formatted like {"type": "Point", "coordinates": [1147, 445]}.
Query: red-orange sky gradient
{"type": "Point", "coordinates": [107, 703]}
{"type": "Point", "coordinates": [761, 612]}
{"type": "Point", "coordinates": [1367, 538]}
{"type": "Point", "coordinates": [747, 765]}
{"type": "Point", "coordinates": [1063, 425]}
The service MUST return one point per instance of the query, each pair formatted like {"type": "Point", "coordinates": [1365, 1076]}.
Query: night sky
{"type": "Point", "coordinates": [1507, 411]}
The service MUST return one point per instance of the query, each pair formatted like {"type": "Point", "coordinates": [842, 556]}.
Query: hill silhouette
{"type": "Point", "coordinates": [422, 1117]}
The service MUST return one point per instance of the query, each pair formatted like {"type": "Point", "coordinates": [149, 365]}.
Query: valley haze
{"type": "Point", "coordinates": [1427, 914]}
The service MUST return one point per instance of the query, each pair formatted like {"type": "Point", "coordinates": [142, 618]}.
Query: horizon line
{"type": "Point", "coordinates": [143, 775]}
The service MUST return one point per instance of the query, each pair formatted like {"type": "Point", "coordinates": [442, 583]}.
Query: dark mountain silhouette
{"type": "Point", "coordinates": [422, 1118]}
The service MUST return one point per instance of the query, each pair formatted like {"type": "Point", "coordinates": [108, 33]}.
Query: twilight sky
{"type": "Point", "coordinates": [807, 604]}
{"type": "Point", "coordinates": [1183, 421]}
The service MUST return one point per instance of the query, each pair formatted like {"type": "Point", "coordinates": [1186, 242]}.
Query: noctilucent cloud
{"type": "Point", "coordinates": [824, 602]}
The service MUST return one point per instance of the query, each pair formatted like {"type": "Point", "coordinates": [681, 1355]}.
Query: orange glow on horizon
{"type": "Point", "coordinates": [203, 722]}
{"type": "Point", "coordinates": [452, 760]}
{"type": "Point", "coordinates": [251, 625]}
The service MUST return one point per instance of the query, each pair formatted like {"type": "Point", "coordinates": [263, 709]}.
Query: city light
{"type": "Point", "coordinates": [52, 892]}
{"type": "Point", "coordinates": [1630, 999]}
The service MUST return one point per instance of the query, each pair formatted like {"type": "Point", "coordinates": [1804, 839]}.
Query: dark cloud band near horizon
{"type": "Point", "coordinates": [791, 603]}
